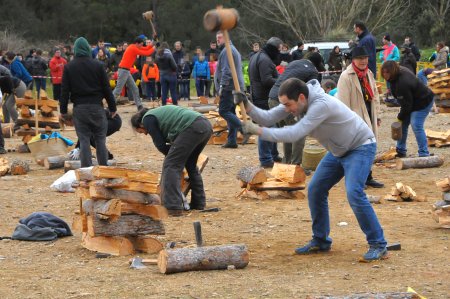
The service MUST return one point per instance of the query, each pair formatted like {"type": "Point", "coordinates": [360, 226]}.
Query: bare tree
{"type": "Point", "coordinates": [440, 10]}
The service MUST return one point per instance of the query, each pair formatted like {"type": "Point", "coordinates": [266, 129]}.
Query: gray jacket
{"type": "Point", "coordinates": [327, 119]}
{"type": "Point", "coordinates": [223, 75]}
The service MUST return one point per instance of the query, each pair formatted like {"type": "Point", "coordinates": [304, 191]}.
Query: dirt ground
{"type": "Point", "coordinates": [272, 229]}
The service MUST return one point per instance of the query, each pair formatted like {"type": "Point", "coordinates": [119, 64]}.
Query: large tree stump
{"type": "Point", "coordinates": [55, 162]}
{"type": "Point", "coordinates": [203, 258]}
{"type": "Point", "coordinates": [252, 175]}
{"type": "Point", "coordinates": [126, 225]}
{"type": "Point", "coordinates": [421, 162]}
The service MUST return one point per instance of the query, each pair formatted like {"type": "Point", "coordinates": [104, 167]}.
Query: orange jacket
{"type": "Point", "coordinates": [150, 72]}
{"type": "Point", "coordinates": [131, 53]}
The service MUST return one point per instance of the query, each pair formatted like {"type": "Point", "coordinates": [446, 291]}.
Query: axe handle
{"type": "Point", "coordinates": [233, 72]}
{"type": "Point", "coordinates": [153, 28]}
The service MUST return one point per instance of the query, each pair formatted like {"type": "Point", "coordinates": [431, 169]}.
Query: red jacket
{"type": "Point", "coordinates": [130, 54]}
{"type": "Point", "coordinates": [56, 65]}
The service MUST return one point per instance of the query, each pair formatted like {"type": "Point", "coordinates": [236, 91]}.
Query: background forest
{"type": "Point", "coordinates": [46, 23]}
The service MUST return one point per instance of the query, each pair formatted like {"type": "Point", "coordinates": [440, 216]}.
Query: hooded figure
{"type": "Point", "coordinates": [408, 59]}
{"type": "Point", "coordinates": [81, 48]}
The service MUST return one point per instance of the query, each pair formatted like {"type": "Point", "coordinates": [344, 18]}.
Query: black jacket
{"type": "Point", "coordinates": [38, 66]}
{"type": "Point", "coordinates": [297, 55]}
{"type": "Point", "coordinates": [412, 94]}
{"type": "Point", "coordinates": [166, 63]}
{"type": "Point", "coordinates": [415, 51]}
{"type": "Point", "coordinates": [115, 60]}
{"type": "Point", "coordinates": [263, 75]}
{"type": "Point", "coordinates": [85, 81]}
{"type": "Point", "coordinates": [409, 61]}
{"type": "Point", "coordinates": [302, 69]}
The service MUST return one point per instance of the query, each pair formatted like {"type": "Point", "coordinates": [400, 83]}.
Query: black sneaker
{"type": "Point", "coordinates": [313, 247]}
{"type": "Point", "coordinates": [267, 165]}
{"type": "Point", "coordinates": [400, 155]}
{"type": "Point", "coordinates": [2, 151]}
{"type": "Point", "coordinates": [230, 145]}
{"type": "Point", "coordinates": [277, 159]}
{"type": "Point", "coordinates": [374, 184]}
{"type": "Point", "coordinates": [140, 107]}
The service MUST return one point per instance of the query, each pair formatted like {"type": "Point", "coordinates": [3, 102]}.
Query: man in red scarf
{"type": "Point", "coordinates": [357, 89]}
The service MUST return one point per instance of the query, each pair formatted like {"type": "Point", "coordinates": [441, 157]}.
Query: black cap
{"type": "Point", "coordinates": [387, 37]}
{"type": "Point", "coordinates": [359, 52]}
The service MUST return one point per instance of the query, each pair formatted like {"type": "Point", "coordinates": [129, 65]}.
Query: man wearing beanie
{"type": "Point", "coordinates": [263, 75]}
{"type": "Point", "coordinates": [390, 50]}
{"type": "Point", "coordinates": [86, 84]}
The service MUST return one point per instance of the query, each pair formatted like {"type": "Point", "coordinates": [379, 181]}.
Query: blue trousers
{"type": "Point", "coordinates": [355, 167]}
{"type": "Point", "coordinates": [169, 83]}
{"type": "Point", "coordinates": [227, 109]}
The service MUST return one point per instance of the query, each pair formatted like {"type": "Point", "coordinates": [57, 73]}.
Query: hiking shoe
{"type": "Point", "coordinates": [2, 151]}
{"type": "Point", "coordinates": [312, 247]}
{"type": "Point", "coordinates": [375, 253]}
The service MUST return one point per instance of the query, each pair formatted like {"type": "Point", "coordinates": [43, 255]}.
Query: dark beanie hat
{"type": "Point", "coordinates": [299, 44]}
{"type": "Point", "coordinates": [387, 37]}
{"type": "Point", "coordinates": [81, 48]}
{"type": "Point", "coordinates": [359, 52]}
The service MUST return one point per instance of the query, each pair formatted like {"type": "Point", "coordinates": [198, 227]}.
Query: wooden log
{"type": "Point", "coordinates": [55, 162]}
{"type": "Point", "coordinates": [19, 167]}
{"type": "Point", "coordinates": [82, 192]}
{"type": "Point", "coordinates": [157, 212]}
{"type": "Point", "coordinates": [104, 209]}
{"type": "Point", "coordinates": [203, 100]}
{"type": "Point", "coordinates": [252, 175]}
{"type": "Point", "coordinates": [43, 95]}
{"type": "Point", "coordinates": [444, 136]}
{"type": "Point", "coordinates": [421, 162]}
{"type": "Point", "coordinates": [147, 244]}
{"type": "Point", "coordinates": [387, 155]}
{"type": "Point", "coordinates": [25, 111]}
{"type": "Point", "coordinates": [388, 295]}
{"type": "Point", "coordinates": [75, 164]}
{"type": "Point", "coordinates": [7, 130]}
{"type": "Point", "coordinates": [125, 225]}
{"type": "Point", "coordinates": [253, 194]}
{"type": "Point", "coordinates": [111, 245]}
{"type": "Point", "coordinates": [203, 258]}
{"type": "Point", "coordinates": [277, 185]}
{"type": "Point", "coordinates": [108, 172]}
{"type": "Point", "coordinates": [28, 94]}
{"type": "Point", "coordinates": [126, 184]}
{"type": "Point", "coordinates": [400, 187]}
{"type": "Point", "coordinates": [52, 122]}
{"type": "Point", "coordinates": [84, 174]}
{"type": "Point", "coordinates": [288, 173]}
{"type": "Point", "coordinates": [79, 223]}
{"type": "Point", "coordinates": [46, 111]}
{"type": "Point", "coordinates": [101, 192]}
{"type": "Point", "coordinates": [444, 184]}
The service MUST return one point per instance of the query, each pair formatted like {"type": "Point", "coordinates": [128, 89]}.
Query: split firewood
{"type": "Point", "coordinates": [442, 217]}
{"type": "Point", "coordinates": [101, 192]}
{"type": "Point", "coordinates": [288, 173]}
{"type": "Point", "coordinates": [203, 258]}
{"type": "Point", "coordinates": [386, 156]}
{"type": "Point", "coordinates": [444, 184]}
{"type": "Point", "coordinates": [28, 94]}
{"type": "Point", "coordinates": [201, 164]}
{"type": "Point", "coordinates": [79, 223]}
{"type": "Point", "coordinates": [52, 122]}
{"type": "Point", "coordinates": [157, 212]}
{"type": "Point", "coordinates": [46, 111]}
{"type": "Point", "coordinates": [125, 225]}
{"type": "Point", "coordinates": [108, 172]}
{"type": "Point", "coordinates": [289, 195]}
{"type": "Point", "coordinates": [276, 185]}
{"type": "Point", "coordinates": [444, 136]}
{"type": "Point", "coordinates": [146, 244]}
{"type": "Point", "coordinates": [252, 194]}
{"type": "Point", "coordinates": [112, 245]}
{"type": "Point", "coordinates": [43, 95]}
{"type": "Point", "coordinates": [125, 184]}
{"type": "Point", "coordinates": [104, 209]}
{"type": "Point", "coordinates": [25, 111]}
{"type": "Point", "coordinates": [4, 166]}
{"type": "Point", "coordinates": [390, 197]}
{"type": "Point", "coordinates": [75, 164]}
{"type": "Point", "coordinates": [252, 175]}
{"type": "Point", "coordinates": [84, 174]}
{"type": "Point", "coordinates": [421, 162]}
{"type": "Point", "coordinates": [403, 192]}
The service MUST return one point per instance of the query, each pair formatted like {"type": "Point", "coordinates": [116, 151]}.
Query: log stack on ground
{"type": "Point", "coordinates": [403, 192]}
{"type": "Point", "coordinates": [120, 210]}
{"type": "Point", "coordinates": [439, 83]}
{"type": "Point", "coordinates": [286, 180]}
{"type": "Point", "coordinates": [441, 209]}
{"type": "Point", "coordinates": [438, 139]}
{"type": "Point", "coordinates": [220, 130]}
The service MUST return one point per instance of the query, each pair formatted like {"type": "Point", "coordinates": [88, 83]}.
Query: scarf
{"type": "Point", "coordinates": [362, 76]}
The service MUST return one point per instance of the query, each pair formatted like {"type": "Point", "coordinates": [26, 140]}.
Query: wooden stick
{"type": "Point", "coordinates": [234, 73]}
{"type": "Point", "coordinates": [36, 125]}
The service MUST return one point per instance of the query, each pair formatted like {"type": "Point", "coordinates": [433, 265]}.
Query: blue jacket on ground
{"type": "Point", "coordinates": [201, 69]}
{"type": "Point", "coordinates": [19, 71]}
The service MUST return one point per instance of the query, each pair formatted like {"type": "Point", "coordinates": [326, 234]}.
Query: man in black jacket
{"type": "Point", "coordinates": [298, 53]}
{"type": "Point", "coordinates": [116, 57]}
{"type": "Point", "coordinates": [414, 49]}
{"type": "Point", "coordinates": [263, 75]}
{"type": "Point", "coordinates": [86, 84]}
{"type": "Point", "coordinates": [304, 70]}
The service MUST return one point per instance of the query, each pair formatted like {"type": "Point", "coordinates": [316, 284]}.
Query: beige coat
{"type": "Point", "coordinates": [350, 93]}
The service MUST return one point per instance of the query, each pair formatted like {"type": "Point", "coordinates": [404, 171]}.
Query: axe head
{"type": "Point", "coordinates": [148, 15]}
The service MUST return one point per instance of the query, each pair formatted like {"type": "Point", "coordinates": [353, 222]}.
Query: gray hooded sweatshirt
{"type": "Point", "coordinates": [327, 119]}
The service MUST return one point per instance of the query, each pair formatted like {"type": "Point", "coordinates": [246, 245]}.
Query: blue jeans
{"type": "Point", "coordinates": [417, 120]}
{"type": "Point", "coordinates": [200, 84]}
{"type": "Point", "coordinates": [169, 82]}
{"type": "Point", "coordinates": [355, 167]}
{"type": "Point", "coordinates": [422, 77]}
{"type": "Point", "coordinates": [151, 89]}
{"type": "Point", "coordinates": [267, 151]}
{"type": "Point", "coordinates": [185, 89]}
{"type": "Point", "coordinates": [41, 83]}
{"type": "Point", "coordinates": [227, 110]}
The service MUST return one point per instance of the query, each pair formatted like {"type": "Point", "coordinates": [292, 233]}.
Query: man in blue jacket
{"type": "Point", "coordinates": [17, 69]}
{"type": "Point", "coordinates": [367, 40]}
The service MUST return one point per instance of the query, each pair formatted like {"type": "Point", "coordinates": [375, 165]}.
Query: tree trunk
{"type": "Point", "coordinates": [252, 175]}
{"type": "Point", "coordinates": [203, 258]}
{"type": "Point", "coordinates": [55, 162]}
{"type": "Point", "coordinates": [126, 225]}
{"type": "Point", "coordinates": [421, 162]}
{"type": "Point", "coordinates": [101, 192]}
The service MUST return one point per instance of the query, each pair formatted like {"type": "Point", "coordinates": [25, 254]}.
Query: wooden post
{"type": "Point", "coordinates": [198, 233]}
{"type": "Point", "coordinates": [36, 116]}
{"type": "Point", "coordinates": [203, 258]}
{"type": "Point", "coordinates": [233, 72]}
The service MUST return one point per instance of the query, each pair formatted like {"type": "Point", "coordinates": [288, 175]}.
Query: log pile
{"type": "Point", "coordinates": [441, 209]}
{"type": "Point", "coordinates": [438, 139]}
{"type": "Point", "coordinates": [285, 179]}
{"type": "Point", "coordinates": [220, 130]}
{"type": "Point", "coordinates": [16, 167]}
{"type": "Point", "coordinates": [439, 83]}
{"type": "Point", "coordinates": [120, 210]}
{"type": "Point", "coordinates": [47, 116]}
{"type": "Point", "coordinates": [403, 192]}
